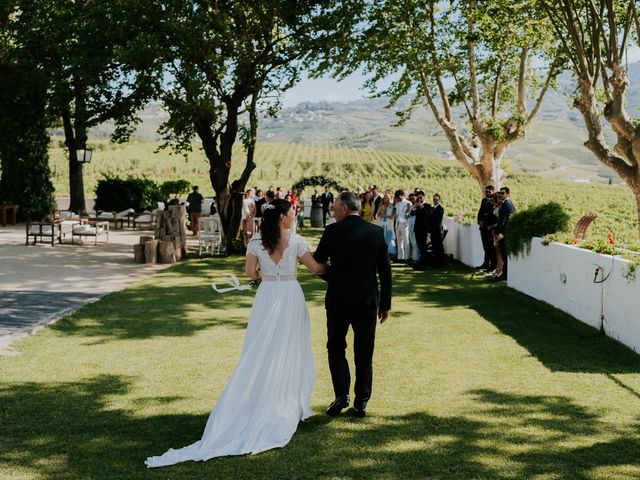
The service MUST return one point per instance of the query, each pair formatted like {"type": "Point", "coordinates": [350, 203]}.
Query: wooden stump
{"type": "Point", "coordinates": [171, 228]}
{"type": "Point", "coordinates": [166, 252]}
{"type": "Point", "coordinates": [150, 251]}
{"type": "Point", "coordinates": [177, 248]}
{"type": "Point", "coordinates": [144, 239]}
{"type": "Point", "coordinates": [138, 253]}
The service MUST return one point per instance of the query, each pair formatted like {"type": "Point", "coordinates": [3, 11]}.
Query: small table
{"type": "Point", "coordinates": [3, 213]}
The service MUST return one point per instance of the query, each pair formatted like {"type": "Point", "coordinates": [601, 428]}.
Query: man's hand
{"type": "Point", "coordinates": [383, 315]}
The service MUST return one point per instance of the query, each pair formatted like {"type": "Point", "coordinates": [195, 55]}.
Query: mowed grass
{"type": "Point", "coordinates": [471, 380]}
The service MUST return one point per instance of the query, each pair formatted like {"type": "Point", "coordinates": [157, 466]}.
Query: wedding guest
{"type": "Point", "coordinates": [260, 202]}
{"type": "Point", "coordinates": [248, 214]}
{"type": "Point", "coordinates": [385, 218]}
{"type": "Point", "coordinates": [280, 193]}
{"type": "Point", "coordinates": [421, 211]}
{"type": "Point", "coordinates": [436, 231]}
{"type": "Point", "coordinates": [506, 209]}
{"type": "Point", "coordinates": [495, 203]}
{"type": "Point", "coordinates": [367, 207]}
{"type": "Point", "coordinates": [195, 200]}
{"type": "Point", "coordinates": [403, 213]}
{"type": "Point", "coordinates": [300, 202]}
{"type": "Point", "coordinates": [415, 252]}
{"type": "Point", "coordinates": [376, 198]}
{"type": "Point", "coordinates": [485, 218]}
{"type": "Point", "coordinates": [326, 199]}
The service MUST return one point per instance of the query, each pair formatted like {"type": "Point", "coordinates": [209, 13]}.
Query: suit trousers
{"type": "Point", "coordinates": [437, 246]}
{"type": "Point", "coordinates": [489, 248]}
{"type": "Point", "coordinates": [363, 322]}
{"type": "Point", "coordinates": [421, 240]}
{"type": "Point", "coordinates": [402, 241]}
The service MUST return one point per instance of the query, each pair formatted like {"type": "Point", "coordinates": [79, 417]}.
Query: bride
{"type": "Point", "coordinates": [270, 388]}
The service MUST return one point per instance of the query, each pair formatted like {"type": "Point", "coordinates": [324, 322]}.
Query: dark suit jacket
{"type": "Point", "coordinates": [485, 213]}
{"type": "Point", "coordinates": [421, 226]}
{"type": "Point", "coordinates": [435, 219]}
{"type": "Point", "coordinates": [376, 205]}
{"type": "Point", "coordinates": [326, 199]}
{"type": "Point", "coordinates": [259, 204]}
{"type": "Point", "coordinates": [506, 209]}
{"type": "Point", "coordinates": [357, 251]}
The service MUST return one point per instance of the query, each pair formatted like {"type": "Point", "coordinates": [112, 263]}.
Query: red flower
{"type": "Point", "coordinates": [610, 238]}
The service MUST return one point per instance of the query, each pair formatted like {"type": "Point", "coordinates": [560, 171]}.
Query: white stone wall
{"type": "Point", "coordinates": [563, 276]}
{"type": "Point", "coordinates": [464, 242]}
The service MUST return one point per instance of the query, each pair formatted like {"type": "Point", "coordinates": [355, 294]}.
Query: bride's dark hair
{"type": "Point", "coordinates": [270, 226]}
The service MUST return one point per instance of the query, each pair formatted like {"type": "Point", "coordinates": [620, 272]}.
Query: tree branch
{"type": "Point", "coordinates": [521, 79]}
{"type": "Point", "coordinates": [550, 75]}
{"type": "Point", "coordinates": [473, 79]}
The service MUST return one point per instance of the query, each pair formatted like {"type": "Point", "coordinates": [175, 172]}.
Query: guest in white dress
{"type": "Point", "coordinates": [403, 213]}
{"type": "Point", "coordinates": [385, 218]}
{"type": "Point", "coordinates": [270, 389]}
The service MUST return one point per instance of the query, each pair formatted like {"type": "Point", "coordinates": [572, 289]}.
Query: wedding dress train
{"type": "Point", "coordinates": [270, 389]}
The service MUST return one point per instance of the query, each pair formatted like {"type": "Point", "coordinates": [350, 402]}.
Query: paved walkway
{"type": "Point", "coordinates": [40, 284]}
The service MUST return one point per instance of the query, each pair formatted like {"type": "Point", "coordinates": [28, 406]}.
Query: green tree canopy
{"type": "Point", "coordinates": [482, 68]}
{"type": "Point", "coordinates": [222, 63]}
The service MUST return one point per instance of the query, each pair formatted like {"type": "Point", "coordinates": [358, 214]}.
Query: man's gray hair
{"type": "Point", "coordinates": [351, 200]}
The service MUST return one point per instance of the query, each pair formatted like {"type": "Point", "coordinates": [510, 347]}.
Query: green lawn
{"type": "Point", "coordinates": [472, 380]}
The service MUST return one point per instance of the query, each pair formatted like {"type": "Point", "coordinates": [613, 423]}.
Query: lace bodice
{"type": "Point", "coordinates": [288, 264]}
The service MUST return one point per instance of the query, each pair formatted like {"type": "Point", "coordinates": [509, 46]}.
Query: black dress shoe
{"type": "Point", "coordinates": [337, 406]}
{"type": "Point", "coordinates": [360, 409]}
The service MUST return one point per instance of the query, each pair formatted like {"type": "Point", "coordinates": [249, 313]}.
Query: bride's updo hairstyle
{"type": "Point", "coordinates": [270, 226]}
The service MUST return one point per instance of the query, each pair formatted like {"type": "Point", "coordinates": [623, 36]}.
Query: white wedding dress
{"type": "Point", "coordinates": [270, 389]}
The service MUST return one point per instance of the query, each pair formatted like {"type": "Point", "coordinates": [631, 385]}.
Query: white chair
{"type": "Point", "coordinates": [93, 229]}
{"type": "Point", "coordinates": [206, 206]}
{"type": "Point", "coordinates": [210, 235]}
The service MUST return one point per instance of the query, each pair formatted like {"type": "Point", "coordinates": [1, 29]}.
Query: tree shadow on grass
{"type": "Point", "coordinates": [164, 305]}
{"type": "Point", "coordinates": [69, 431]}
{"type": "Point", "coordinates": [555, 338]}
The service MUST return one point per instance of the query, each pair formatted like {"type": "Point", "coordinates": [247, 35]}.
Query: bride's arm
{"type": "Point", "coordinates": [251, 267]}
{"type": "Point", "coordinates": [313, 266]}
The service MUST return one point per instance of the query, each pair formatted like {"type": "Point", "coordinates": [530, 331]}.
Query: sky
{"type": "Point", "coordinates": [327, 89]}
{"type": "Point", "coordinates": [330, 90]}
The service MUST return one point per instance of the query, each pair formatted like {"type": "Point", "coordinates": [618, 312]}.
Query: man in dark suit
{"type": "Point", "coordinates": [485, 217]}
{"type": "Point", "coordinates": [358, 257]}
{"type": "Point", "coordinates": [506, 209]}
{"type": "Point", "coordinates": [376, 198]}
{"type": "Point", "coordinates": [422, 212]}
{"type": "Point", "coordinates": [436, 231]}
{"type": "Point", "coordinates": [326, 199]}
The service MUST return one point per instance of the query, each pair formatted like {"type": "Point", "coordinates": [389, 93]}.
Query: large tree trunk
{"type": "Point", "coordinates": [76, 180]}
{"type": "Point", "coordinates": [229, 196]}
{"type": "Point", "coordinates": [624, 157]}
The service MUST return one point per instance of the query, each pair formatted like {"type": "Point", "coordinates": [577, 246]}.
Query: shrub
{"type": "Point", "coordinates": [536, 221]}
{"type": "Point", "coordinates": [115, 194]}
{"type": "Point", "coordinates": [175, 187]}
